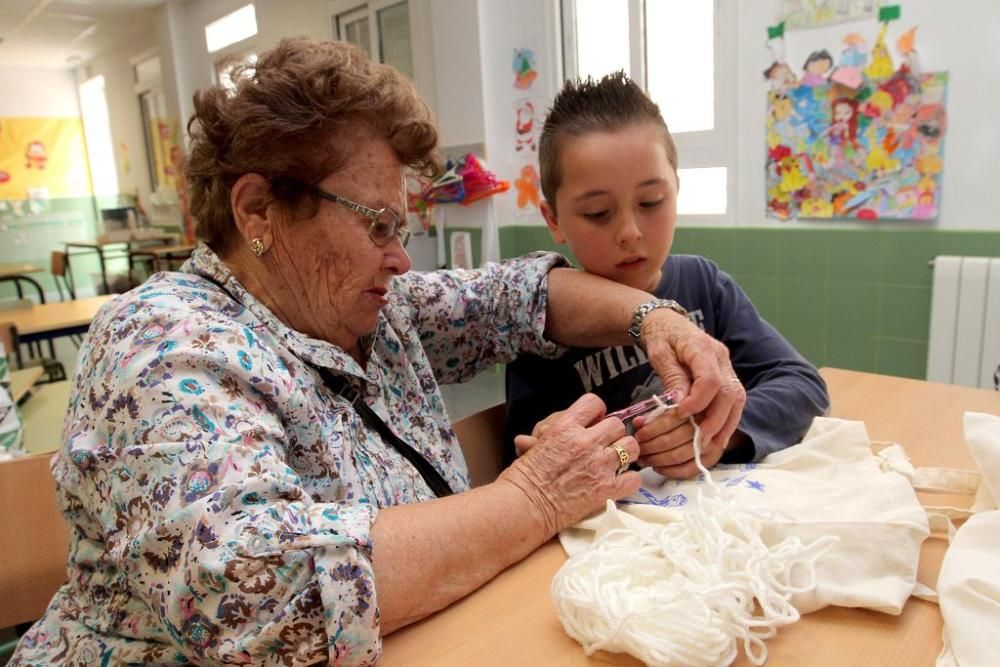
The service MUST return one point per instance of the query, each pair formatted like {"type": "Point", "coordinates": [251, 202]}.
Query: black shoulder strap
{"type": "Point", "coordinates": [430, 474]}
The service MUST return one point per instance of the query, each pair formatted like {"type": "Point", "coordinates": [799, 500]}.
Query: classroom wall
{"type": "Point", "coordinates": [37, 92]}
{"type": "Point", "coordinates": [963, 38]}
{"type": "Point", "coordinates": [40, 93]}
{"type": "Point", "coordinates": [123, 111]}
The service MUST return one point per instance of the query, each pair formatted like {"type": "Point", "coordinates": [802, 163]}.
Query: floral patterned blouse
{"type": "Point", "coordinates": [221, 497]}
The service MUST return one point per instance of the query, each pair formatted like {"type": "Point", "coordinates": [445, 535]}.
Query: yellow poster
{"type": "Point", "coordinates": [43, 157]}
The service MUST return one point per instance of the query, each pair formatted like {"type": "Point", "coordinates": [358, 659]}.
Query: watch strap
{"type": "Point", "coordinates": [635, 329]}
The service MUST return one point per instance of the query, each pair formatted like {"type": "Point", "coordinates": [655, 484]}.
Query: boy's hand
{"type": "Point", "coordinates": [666, 445]}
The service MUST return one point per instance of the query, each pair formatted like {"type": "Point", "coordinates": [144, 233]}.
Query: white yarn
{"type": "Point", "coordinates": [684, 593]}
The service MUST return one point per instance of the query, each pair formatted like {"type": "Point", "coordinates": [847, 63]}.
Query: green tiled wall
{"type": "Point", "coordinates": [84, 265]}
{"type": "Point", "coordinates": [851, 298]}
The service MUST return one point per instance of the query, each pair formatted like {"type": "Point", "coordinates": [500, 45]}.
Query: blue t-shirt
{"type": "Point", "coordinates": [784, 391]}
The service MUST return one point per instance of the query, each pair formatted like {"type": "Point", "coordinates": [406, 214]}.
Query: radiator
{"type": "Point", "coordinates": [964, 340]}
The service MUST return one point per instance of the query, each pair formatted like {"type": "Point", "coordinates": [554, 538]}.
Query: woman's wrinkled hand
{"type": "Point", "coordinates": [569, 465]}
{"type": "Point", "coordinates": [696, 365]}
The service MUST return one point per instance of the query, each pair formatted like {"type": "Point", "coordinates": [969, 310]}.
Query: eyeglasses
{"type": "Point", "coordinates": [385, 224]}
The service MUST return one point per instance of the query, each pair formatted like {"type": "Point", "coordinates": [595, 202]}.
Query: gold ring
{"type": "Point", "coordinates": [623, 458]}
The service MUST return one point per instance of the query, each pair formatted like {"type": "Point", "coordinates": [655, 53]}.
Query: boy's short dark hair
{"type": "Point", "coordinates": [611, 103]}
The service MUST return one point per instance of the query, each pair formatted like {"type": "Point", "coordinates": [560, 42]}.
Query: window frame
{"type": "Point", "coordinates": [421, 50]}
{"type": "Point", "coordinates": [340, 10]}
{"type": "Point", "coordinates": [698, 149]}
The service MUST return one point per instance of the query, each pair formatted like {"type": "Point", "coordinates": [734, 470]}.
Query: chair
{"type": "Point", "coordinates": [34, 540]}
{"type": "Point", "coordinates": [20, 281]}
{"type": "Point", "coordinates": [480, 436]}
{"type": "Point", "coordinates": [54, 370]}
{"type": "Point", "coordinates": [60, 276]}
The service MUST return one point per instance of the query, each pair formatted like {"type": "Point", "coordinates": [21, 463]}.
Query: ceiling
{"type": "Point", "coordinates": [60, 34]}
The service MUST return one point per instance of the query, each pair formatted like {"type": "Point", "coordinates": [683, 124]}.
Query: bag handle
{"type": "Point", "coordinates": [431, 476]}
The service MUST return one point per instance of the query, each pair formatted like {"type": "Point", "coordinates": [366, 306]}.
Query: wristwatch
{"type": "Point", "coordinates": [635, 329]}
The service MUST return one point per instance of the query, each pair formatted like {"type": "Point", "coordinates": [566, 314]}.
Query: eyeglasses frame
{"type": "Point", "coordinates": [402, 230]}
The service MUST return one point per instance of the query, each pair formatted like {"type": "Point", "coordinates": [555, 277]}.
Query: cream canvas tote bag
{"type": "Point", "coordinates": [832, 484]}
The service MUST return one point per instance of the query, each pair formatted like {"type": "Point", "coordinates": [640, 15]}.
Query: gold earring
{"type": "Point", "coordinates": [257, 246]}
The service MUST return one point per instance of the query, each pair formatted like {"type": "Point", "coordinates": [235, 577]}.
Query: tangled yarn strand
{"type": "Point", "coordinates": [684, 593]}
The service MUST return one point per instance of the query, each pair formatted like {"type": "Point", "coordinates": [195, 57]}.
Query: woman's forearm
{"type": "Point", "coordinates": [428, 555]}
{"type": "Point", "coordinates": [585, 310]}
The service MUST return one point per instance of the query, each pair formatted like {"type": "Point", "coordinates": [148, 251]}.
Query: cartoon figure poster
{"type": "Point", "coordinates": [857, 140]}
{"type": "Point", "coordinates": [44, 153]}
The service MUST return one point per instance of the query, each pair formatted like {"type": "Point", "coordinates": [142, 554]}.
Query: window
{"type": "Point", "coordinates": [381, 28]}
{"type": "Point", "coordinates": [231, 28]}
{"type": "Point", "coordinates": [97, 130]}
{"type": "Point", "coordinates": [680, 53]}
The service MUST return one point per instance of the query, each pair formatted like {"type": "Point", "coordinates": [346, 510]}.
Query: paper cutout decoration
{"type": "Point", "coordinates": [780, 77]}
{"type": "Point", "coordinates": [881, 64]}
{"type": "Point", "coordinates": [464, 181]}
{"type": "Point", "coordinates": [527, 125]}
{"type": "Point", "coordinates": [813, 13]}
{"type": "Point", "coordinates": [525, 71]}
{"type": "Point", "coordinates": [848, 72]}
{"type": "Point", "coordinates": [871, 151]}
{"type": "Point", "coordinates": [527, 185]}
{"type": "Point", "coordinates": [817, 68]}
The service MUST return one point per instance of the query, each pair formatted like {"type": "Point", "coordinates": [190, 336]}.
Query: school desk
{"type": "Point", "coordinates": [17, 270]}
{"type": "Point", "coordinates": [511, 620]}
{"type": "Point", "coordinates": [162, 256]}
{"type": "Point", "coordinates": [114, 249]}
{"type": "Point", "coordinates": [51, 320]}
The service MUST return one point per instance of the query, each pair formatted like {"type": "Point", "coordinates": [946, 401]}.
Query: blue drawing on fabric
{"type": "Point", "coordinates": [735, 481]}
{"type": "Point", "coordinates": [674, 500]}
{"type": "Point", "coordinates": [755, 485]}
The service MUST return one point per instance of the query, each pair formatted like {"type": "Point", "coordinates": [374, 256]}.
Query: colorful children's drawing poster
{"type": "Point", "coordinates": [814, 13]}
{"type": "Point", "coordinates": [42, 153]}
{"type": "Point", "coordinates": [860, 140]}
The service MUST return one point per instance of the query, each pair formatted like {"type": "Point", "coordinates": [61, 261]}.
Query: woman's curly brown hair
{"type": "Point", "coordinates": [287, 110]}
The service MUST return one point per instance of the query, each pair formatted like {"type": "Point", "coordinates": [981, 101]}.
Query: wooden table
{"type": "Point", "coordinates": [511, 621]}
{"type": "Point", "coordinates": [50, 320]}
{"type": "Point", "coordinates": [162, 254]}
{"type": "Point", "coordinates": [11, 270]}
{"type": "Point", "coordinates": [102, 247]}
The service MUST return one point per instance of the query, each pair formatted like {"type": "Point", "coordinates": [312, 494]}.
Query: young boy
{"type": "Point", "coordinates": [609, 177]}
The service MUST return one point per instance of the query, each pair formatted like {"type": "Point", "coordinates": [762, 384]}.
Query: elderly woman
{"type": "Point", "coordinates": [255, 443]}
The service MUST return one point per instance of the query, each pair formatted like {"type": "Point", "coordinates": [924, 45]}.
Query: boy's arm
{"type": "Point", "coordinates": [784, 390]}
